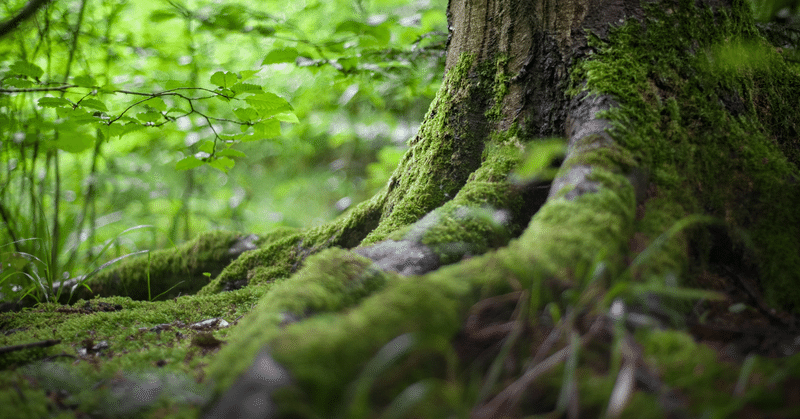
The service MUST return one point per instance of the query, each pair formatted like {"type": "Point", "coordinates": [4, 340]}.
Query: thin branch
{"type": "Point", "coordinates": [39, 89]}
{"type": "Point", "coordinates": [29, 10]}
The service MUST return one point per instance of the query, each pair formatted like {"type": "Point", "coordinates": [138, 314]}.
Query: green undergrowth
{"type": "Point", "coordinates": [676, 94]}
{"type": "Point", "coordinates": [715, 387]}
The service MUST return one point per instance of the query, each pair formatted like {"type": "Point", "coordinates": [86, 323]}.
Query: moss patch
{"type": "Point", "coordinates": [165, 273]}
{"type": "Point", "coordinates": [111, 346]}
{"type": "Point", "coordinates": [717, 133]}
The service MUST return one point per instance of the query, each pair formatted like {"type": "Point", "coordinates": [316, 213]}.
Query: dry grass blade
{"type": "Point", "coordinates": [508, 399]}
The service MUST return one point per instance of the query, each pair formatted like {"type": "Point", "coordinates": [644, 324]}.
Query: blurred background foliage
{"type": "Point", "coordinates": [90, 167]}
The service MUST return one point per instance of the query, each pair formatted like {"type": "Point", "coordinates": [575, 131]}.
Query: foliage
{"type": "Point", "coordinates": [130, 113]}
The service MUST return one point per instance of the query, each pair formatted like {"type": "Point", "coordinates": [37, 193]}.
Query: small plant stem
{"type": "Point", "coordinates": [54, 237]}
{"type": "Point", "coordinates": [9, 229]}
{"type": "Point", "coordinates": [187, 233]}
{"type": "Point", "coordinates": [32, 182]}
{"type": "Point", "coordinates": [89, 205]}
{"type": "Point", "coordinates": [149, 297]}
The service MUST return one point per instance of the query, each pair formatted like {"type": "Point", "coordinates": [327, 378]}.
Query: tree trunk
{"type": "Point", "coordinates": [461, 284]}
{"type": "Point", "coordinates": [660, 124]}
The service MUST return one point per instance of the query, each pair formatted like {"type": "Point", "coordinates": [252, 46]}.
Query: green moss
{"type": "Point", "coordinates": [594, 227]}
{"type": "Point", "coordinates": [697, 117]}
{"type": "Point", "coordinates": [694, 368]}
{"type": "Point", "coordinates": [334, 279]}
{"type": "Point", "coordinates": [442, 155]}
{"type": "Point", "coordinates": [322, 351]}
{"type": "Point", "coordinates": [331, 281]}
{"type": "Point", "coordinates": [272, 261]}
{"type": "Point", "coordinates": [501, 78]}
{"type": "Point", "coordinates": [131, 352]}
{"type": "Point", "coordinates": [659, 215]}
{"type": "Point", "coordinates": [163, 273]}
{"type": "Point", "coordinates": [480, 217]}
{"type": "Point", "coordinates": [284, 252]}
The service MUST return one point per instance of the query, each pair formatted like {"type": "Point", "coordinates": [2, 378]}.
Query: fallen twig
{"type": "Point", "coordinates": [39, 344]}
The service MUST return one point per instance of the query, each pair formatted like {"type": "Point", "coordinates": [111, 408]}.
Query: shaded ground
{"type": "Point", "coordinates": [506, 355]}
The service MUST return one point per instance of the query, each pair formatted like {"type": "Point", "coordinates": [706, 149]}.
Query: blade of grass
{"type": "Point", "coordinates": [508, 343]}
{"type": "Point", "coordinates": [377, 365]}
{"type": "Point", "coordinates": [404, 403]}
{"type": "Point", "coordinates": [568, 382]}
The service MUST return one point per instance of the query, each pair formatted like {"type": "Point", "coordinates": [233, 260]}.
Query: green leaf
{"type": "Point", "coordinates": [76, 116]}
{"type": "Point", "coordinates": [73, 141]}
{"type": "Point", "coordinates": [348, 63]}
{"type": "Point", "coordinates": [224, 79]}
{"type": "Point", "coordinates": [265, 30]}
{"type": "Point", "coordinates": [173, 84]}
{"type": "Point", "coordinates": [54, 102]}
{"type": "Point", "coordinates": [268, 104]}
{"type": "Point", "coordinates": [540, 155]}
{"type": "Point", "coordinates": [26, 69]}
{"type": "Point", "coordinates": [381, 34]}
{"type": "Point", "coordinates": [109, 88]}
{"type": "Point", "coordinates": [270, 128]}
{"type": "Point", "coordinates": [84, 81]}
{"type": "Point", "coordinates": [157, 103]}
{"type": "Point", "coordinates": [223, 163]}
{"type": "Point", "coordinates": [162, 15]}
{"type": "Point", "coordinates": [231, 17]}
{"type": "Point", "coordinates": [17, 82]}
{"type": "Point", "coordinates": [289, 117]}
{"type": "Point", "coordinates": [207, 147]}
{"type": "Point", "coordinates": [250, 138]}
{"type": "Point", "coordinates": [225, 94]}
{"type": "Point", "coordinates": [118, 130]}
{"type": "Point", "coordinates": [246, 114]}
{"type": "Point", "coordinates": [284, 55]}
{"type": "Point", "coordinates": [247, 74]}
{"type": "Point", "coordinates": [149, 116]}
{"type": "Point", "coordinates": [177, 110]}
{"type": "Point", "coordinates": [246, 88]}
{"type": "Point", "coordinates": [351, 26]}
{"type": "Point", "coordinates": [230, 152]}
{"type": "Point", "coordinates": [188, 162]}
{"type": "Point", "coordinates": [93, 104]}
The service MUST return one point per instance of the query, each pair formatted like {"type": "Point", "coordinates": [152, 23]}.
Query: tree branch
{"type": "Point", "coordinates": [26, 12]}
